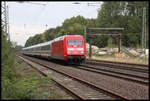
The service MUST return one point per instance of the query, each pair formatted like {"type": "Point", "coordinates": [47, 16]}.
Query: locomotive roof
{"type": "Point", "coordinates": [49, 42]}
{"type": "Point", "coordinates": [62, 37]}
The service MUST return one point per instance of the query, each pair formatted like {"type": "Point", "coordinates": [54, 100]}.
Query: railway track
{"type": "Point", "coordinates": [120, 65]}
{"type": "Point", "coordinates": [111, 91]}
{"type": "Point", "coordinates": [74, 87]}
{"type": "Point", "coordinates": [134, 76]}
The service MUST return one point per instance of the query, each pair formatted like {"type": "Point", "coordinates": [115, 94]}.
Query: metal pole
{"type": "Point", "coordinates": [145, 27]}
{"type": "Point", "coordinates": [46, 26]}
{"type": "Point", "coordinates": [4, 19]}
{"type": "Point", "coordinates": [119, 42]}
{"type": "Point", "coordinates": [143, 30]}
{"type": "Point", "coordinates": [90, 50]}
{"type": "Point", "coordinates": [8, 23]}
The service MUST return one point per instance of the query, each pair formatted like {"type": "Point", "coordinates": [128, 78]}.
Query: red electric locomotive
{"type": "Point", "coordinates": [70, 48]}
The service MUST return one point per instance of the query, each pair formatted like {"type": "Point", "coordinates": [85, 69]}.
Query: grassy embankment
{"type": "Point", "coordinates": [27, 83]}
{"type": "Point", "coordinates": [19, 81]}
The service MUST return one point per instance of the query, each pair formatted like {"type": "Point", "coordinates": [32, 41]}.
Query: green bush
{"type": "Point", "coordinates": [27, 87]}
{"type": "Point", "coordinates": [13, 87]}
{"type": "Point", "coordinates": [8, 75]}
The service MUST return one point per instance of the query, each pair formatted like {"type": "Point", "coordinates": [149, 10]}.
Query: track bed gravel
{"type": "Point", "coordinates": [136, 73]}
{"type": "Point", "coordinates": [80, 88]}
{"type": "Point", "coordinates": [121, 87]}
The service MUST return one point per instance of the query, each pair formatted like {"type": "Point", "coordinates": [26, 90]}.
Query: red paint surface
{"type": "Point", "coordinates": [60, 47]}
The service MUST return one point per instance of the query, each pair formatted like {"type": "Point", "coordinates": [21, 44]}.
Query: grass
{"type": "Point", "coordinates": [28, 84]}
{"type": "Point", "coordinates": [104, 55]}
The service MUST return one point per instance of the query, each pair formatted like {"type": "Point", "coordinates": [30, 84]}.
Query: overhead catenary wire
{"type": "Point", "coordinates": [36, 16]}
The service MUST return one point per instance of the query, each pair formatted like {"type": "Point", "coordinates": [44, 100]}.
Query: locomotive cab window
{"type": "Point", "coordinates": [74, 42]}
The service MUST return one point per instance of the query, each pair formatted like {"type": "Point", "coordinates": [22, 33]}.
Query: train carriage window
{"type": "Point", "coordinates": [38, 49]}
{"type": "Point", "coordinates": [50, 47]}
{"type": "Point", "coordinates": [47, 47]}
{"type": "Point", "coordinates": [42, 48]}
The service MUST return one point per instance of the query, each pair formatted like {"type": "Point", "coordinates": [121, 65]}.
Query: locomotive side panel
{"type": "Point", "coordinates": [57, 50]}
{"type": "Point", "coordinates": [65, 48]}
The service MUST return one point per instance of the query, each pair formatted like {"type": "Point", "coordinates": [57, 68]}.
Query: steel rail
{"type": "Point", "coordinates": [143, 65]}
{"type": "Point", "coordinates": [118, 65]}
{"type": "Point", "coordinates": [86, 82]}
{"type": "Point", "coordinates": [59, 83]}
{"type": "Point", "coordinates": [116, 74]}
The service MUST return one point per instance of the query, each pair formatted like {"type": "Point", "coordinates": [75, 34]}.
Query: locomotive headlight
{"type": "Point", "coordinates": [80, 49]}
{"type": "Point", "coordinates": [69, 52]}
{"type": "Point", "coordinates": [82, 52]}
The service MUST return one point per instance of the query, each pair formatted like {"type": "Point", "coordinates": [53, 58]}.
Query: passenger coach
{"type": "Point", "coordinates": [70, 48]}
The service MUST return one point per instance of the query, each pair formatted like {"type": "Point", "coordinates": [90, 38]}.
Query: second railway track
{"type": "Point", "coordinates": [120, 65]}
{"type": "Point", "coordinates": [123, 74]}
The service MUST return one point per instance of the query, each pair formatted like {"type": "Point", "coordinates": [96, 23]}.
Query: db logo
{"type": "Point", "coordinates": [74, 46]}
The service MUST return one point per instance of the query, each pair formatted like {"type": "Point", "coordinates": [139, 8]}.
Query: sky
{"type": "Point", "coordinates": [27, 19]}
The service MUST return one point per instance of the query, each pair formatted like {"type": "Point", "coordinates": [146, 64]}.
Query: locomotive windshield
{"type": "Point", "coordinates": [74, 42]}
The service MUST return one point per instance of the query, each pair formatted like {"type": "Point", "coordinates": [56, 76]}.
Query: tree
{"type": "Point", "coordinates": [74, 25]}
{"type": "Point", "coordinates": [123, 14]}
{"type": "Point", "coordinates": [50, 34]}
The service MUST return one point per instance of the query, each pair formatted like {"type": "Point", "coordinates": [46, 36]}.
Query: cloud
{"type": "Point", "coordinates": [20, 33]}
{"type": "Point", "coordinates": [28, 19]}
